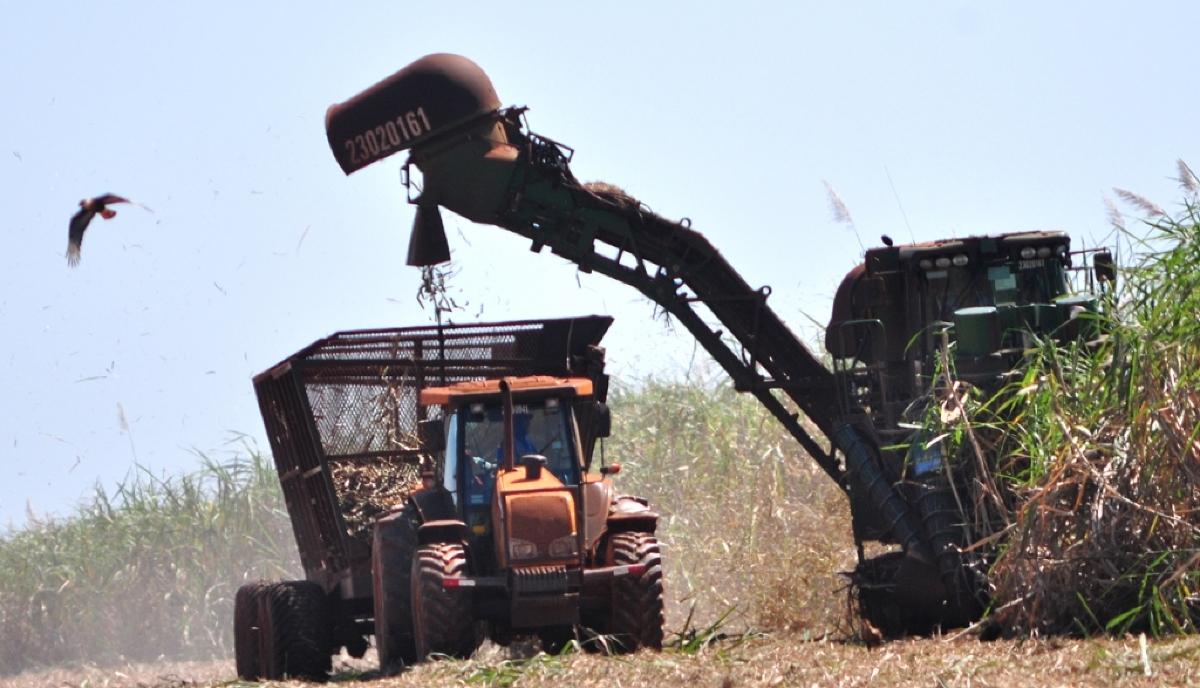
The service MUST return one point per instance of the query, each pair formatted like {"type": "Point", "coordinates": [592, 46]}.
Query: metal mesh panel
{"type": "Point", "coordinates": [363, 419]}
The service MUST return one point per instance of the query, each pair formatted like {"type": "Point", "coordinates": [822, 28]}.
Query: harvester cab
{"type": "Point", "coordinates": [990, 295]}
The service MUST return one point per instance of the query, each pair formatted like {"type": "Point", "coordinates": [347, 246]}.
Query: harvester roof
{"type": "Point", "coordinates": [462, 391]}
{"type": "Point", "coordinates": [884, 258]}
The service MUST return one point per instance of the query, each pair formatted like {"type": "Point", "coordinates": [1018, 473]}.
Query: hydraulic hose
{"type": "Point", "coordinates": [862, 465]}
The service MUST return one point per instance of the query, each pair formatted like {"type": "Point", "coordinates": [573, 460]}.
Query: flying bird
{"type": "Point", "coordinates": [88, 208]}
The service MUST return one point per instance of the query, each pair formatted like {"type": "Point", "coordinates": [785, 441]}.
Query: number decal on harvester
{"type": "Point", "coordinates": [372, 143]}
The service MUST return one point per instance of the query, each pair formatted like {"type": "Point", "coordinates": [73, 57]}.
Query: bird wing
{"type": "Point", "coordinates": [79, 223]}
{"type": "Point", "coordinates": [110, 198]}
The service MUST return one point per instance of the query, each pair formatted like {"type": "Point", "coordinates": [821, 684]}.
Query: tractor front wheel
{"type": "Point", "coordinates": [443, 622]}
{"type": "Point", "coordinates": [638, 612]}
{"type": "Point", "coordinates": [392, 550]}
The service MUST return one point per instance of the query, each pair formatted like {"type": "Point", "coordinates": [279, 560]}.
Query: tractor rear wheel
{"type": "Point", "coordinates": [443, 622]}
{"type": "Point", "coordinates": [246, 630]}
{"type": "Point", "coordinates": [295, 627]}
{"type": "Point", "coordinates": [638, 612]}
{"type": "Point", "coordinates": [393, 545]}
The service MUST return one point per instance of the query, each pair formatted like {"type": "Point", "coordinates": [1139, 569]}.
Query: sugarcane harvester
{"type": "Point", "coordinates": [889, 329]}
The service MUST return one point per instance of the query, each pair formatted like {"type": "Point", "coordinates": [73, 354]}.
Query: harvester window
{"type": "Point", "coordinates": [1040, 280]}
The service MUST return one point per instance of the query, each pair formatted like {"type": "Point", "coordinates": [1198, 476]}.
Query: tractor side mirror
{"type": "Point", "coordinates": [533, 463]}
{"type": "Point", "coordinates": [432, 434]}
{"type": "Point", "coordinates": [1104, 267]}
{"type": "Point", "coordinates": [603, 420]}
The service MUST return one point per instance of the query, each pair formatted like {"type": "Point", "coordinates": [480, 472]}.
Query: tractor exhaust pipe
{"type": "Point", "coordinates": [510, 438]}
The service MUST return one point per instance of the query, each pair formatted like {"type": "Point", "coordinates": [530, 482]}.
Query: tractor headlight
{"type": "Point", "coordinates": [563, 547]}
{"type": "Point", "coordinates": [521, 549]}
{"type": "Point", "coordinates": [1028, 253]}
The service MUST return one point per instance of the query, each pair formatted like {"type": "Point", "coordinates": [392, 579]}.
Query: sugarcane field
{"type": "Point", "coordinates": [780, 345]}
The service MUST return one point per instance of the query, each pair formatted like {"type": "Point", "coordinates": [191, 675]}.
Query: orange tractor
{"type": "Point", "coordinates": [441, 488]}
{"type": "Point", "coordinates": [518, 534]}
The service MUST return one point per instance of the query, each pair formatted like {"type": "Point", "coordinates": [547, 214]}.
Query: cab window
{"type": "Point", "coordinates": [538, 428]}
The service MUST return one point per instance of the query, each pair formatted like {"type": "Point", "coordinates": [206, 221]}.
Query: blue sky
{"type": "Point", "coordinates": [986, 117]}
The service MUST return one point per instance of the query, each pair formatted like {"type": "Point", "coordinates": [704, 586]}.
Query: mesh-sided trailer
{"type": "Point", "coordinates": [341, 416]}
{"type": "Point", "coordinates": [344, 422]}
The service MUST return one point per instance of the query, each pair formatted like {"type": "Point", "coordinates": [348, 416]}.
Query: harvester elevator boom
{"type": "Point", "coordinates": [483, 163]}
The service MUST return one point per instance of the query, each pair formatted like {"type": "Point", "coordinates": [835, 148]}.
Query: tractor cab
{"type": "Point", "coordinates": [513, 458]}
{"type": "Point", "coordinates": [515, 532]}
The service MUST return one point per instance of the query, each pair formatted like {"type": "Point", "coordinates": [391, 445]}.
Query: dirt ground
{"type": "Point", "coordinates": [776, 660]}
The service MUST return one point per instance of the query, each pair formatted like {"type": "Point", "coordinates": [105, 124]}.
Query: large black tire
{"type": "Point", "coordinates": [638, 611]}
{"type": "Point", "coordinates": [555, 639]}
{"type": "Point", "coordinates": [247, 640]}
{"type": "Point", "coordinates": [295, 623]}
{"type": "Point", "coordinates": [393, 545]}
{"type": "Point", "coordinates": [442, 619]}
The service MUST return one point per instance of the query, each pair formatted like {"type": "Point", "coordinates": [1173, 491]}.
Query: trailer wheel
{"type": "Point", "coordinates": [295, 628]}
{"type": "Point", "coordinates": [442, 619]}
{"type": "Point", "coordinates": [247, 641]}
{"type": "Point", "coordinates": [637, 614]}
{"type": "Point", "coordinates": [394, 542]}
